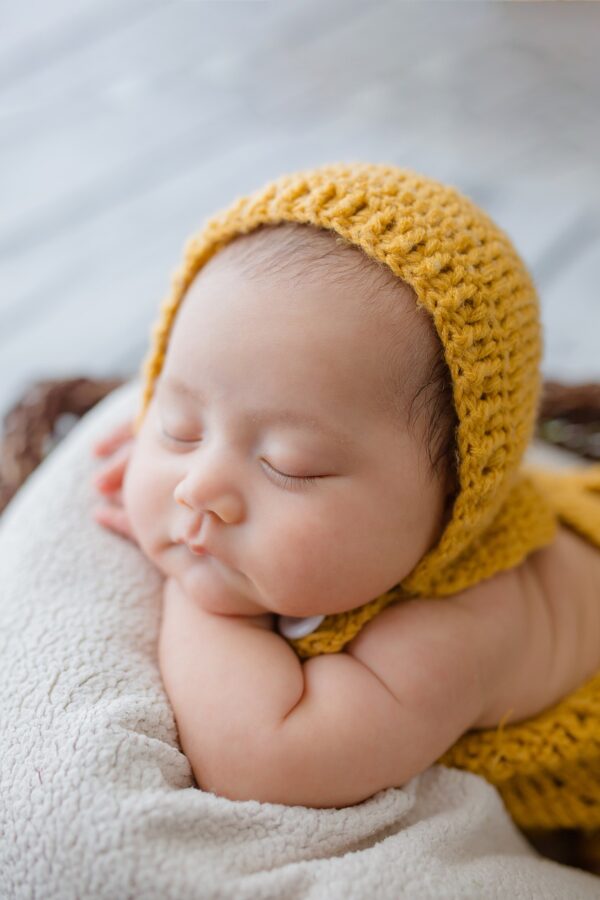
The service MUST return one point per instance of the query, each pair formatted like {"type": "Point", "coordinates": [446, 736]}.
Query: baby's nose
{"type": "Point", "coordinates": [226, 506]}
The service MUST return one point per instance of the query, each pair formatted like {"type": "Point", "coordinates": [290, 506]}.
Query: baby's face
{"type": "Point", "coordinates": [268, 381]}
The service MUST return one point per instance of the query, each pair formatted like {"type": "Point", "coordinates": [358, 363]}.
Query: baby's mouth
{"type": "Point", "coordinates": [198, 550]}
{"type": "Point", "coordinates": [201, 551]}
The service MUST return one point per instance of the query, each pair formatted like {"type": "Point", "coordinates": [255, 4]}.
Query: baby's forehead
{"type": "Point", "coordinates": [308, 254]}
{"type": "Point", "coordinates": [303, 254]}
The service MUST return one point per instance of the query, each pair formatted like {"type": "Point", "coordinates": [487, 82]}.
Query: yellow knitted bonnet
{"type": "Point", "coordinates": [466, 273]}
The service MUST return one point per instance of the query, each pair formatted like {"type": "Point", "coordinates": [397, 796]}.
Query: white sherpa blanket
{"type": "Point", "coordinates": [96, 798]}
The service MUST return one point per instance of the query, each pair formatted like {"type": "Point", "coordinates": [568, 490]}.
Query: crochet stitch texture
{"type": "Point", "coordinates": [468, 276]}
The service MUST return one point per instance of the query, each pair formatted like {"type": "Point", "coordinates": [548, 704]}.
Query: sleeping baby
{"type": "Point", "coordinates": [326, 468]}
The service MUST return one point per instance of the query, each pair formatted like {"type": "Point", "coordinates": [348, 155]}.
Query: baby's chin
{"type": "Point", "coordinates": [223, 590]}
{"type": "Point", "coordinates": [218, 589]}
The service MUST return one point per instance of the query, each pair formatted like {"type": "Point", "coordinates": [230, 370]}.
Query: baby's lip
{"type": "Point", "coordinates": [198, 549]}
{"type": "Point", "coordinates": [201, 550]}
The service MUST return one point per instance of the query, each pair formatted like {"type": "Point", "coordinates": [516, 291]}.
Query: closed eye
{"type": "Point", "coordinates": [175, 440]}
{"type": "Point", "coordinates": [291, 480]}
{"type": "Point", "coordinates": [288, 481]}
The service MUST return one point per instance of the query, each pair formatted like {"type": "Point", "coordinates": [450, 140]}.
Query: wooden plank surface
{"type": "Point", "coordinates": [124, 123]}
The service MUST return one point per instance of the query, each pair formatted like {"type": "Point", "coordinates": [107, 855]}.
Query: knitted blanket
{"type": "Point", "coordinates": [98, 799]}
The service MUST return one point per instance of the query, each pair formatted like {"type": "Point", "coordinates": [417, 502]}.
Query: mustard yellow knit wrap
{"type": "Point", "coordinates": [467, 275]}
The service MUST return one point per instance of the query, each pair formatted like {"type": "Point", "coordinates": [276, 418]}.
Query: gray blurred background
{"type": "Point", "coordinates": [124, 123]}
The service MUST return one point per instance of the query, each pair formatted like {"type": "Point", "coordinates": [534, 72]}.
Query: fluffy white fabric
{"type": "Point", "coordinates": [96, 796]}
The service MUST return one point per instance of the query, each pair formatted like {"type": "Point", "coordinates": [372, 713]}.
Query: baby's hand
{"type": "Point", "coordinates": [109, 480]}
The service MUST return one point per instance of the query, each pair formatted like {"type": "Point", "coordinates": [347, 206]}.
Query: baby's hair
{"type": "Point", "coordinates": [316, 254]}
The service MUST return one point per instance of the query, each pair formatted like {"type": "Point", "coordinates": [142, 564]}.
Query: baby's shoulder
{"type": "Point", "coordinates": [557, 583]}
{"type": "Point", "coordinates": [570, 558]}
{"type": "Point", "coordinates": [566, 574]}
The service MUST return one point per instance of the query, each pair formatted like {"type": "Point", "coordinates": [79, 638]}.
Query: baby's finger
{"type": "Point", "coordinates": [115, 519]}
{"type": "Point", "coordinates": [118, 436]}
{"type": "Point", "coordinates": [110, 477]}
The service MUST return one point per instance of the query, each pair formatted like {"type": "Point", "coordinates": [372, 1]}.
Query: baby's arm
{"type": "Point", "coordinates": [258, 724]}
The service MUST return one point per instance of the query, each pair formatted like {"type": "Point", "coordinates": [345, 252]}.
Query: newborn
{"type": "Point", "coordinates": [296, 460]}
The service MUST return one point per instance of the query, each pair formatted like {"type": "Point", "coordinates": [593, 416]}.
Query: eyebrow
{"type": "Point", "coordinates": [263, 416]}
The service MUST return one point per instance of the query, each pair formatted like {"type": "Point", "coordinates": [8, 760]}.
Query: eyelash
{"type": "Point", "coordinates": [292, 481]}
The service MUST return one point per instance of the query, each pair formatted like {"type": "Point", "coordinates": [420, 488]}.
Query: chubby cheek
{"type": "Point", "coordinates": [319, 564]}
